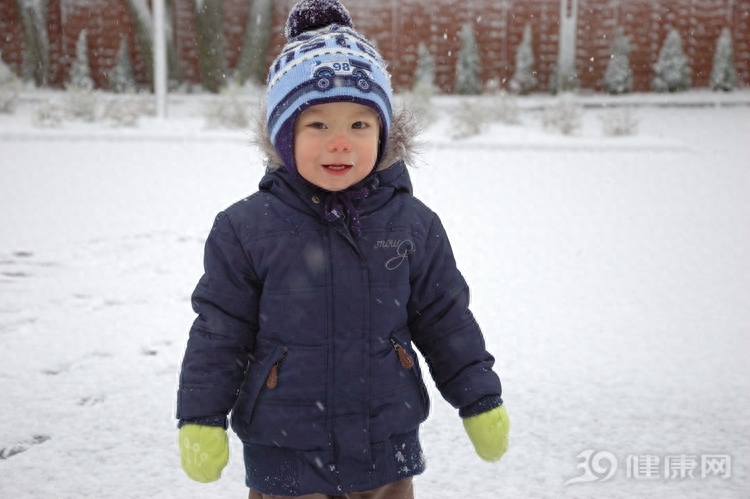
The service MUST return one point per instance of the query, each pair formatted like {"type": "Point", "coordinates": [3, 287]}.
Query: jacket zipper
{"type": "Point", "coordinates": [406, 361]}
{"type": "Point", "coordinates": [272, 381]}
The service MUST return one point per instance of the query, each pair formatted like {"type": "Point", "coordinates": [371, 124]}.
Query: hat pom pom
{"type": "Point", "coordinates": [309, 15]}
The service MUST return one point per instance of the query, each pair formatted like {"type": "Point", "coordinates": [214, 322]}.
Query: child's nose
{"type": "Point", "coordinates": [340, 143]}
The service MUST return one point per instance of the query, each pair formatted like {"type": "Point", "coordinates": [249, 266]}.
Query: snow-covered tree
{"type": "Point", "coordinates": [210, 31]}
{"type": "Point", "coordinates": [524, 77]}
{"type": "Point", "coordinates": [671, 69]}
{"type": "Point", "coordinates": [10, 86]}
{"type": "Point", "coordinates": [424, 74]}
{"type": "Point", "coordinates": [724, 72]}
{"type": "Point", "coordinates": [80, 71]}
{"type": "Point", "coordinates": [121, 78]}
{"type": "Point", "coordinates": [80, 101]}
{"type": "Point", "coordinates": [552, 82]}
{"type": "Point", "coordinates": [468, 66]}
{"type": "Point", "coordinates": [618, 78]}
{"type": "Point", "coordinates": [252, 63]}
{"type": "Point", "coordinates": [419, 98]}
{"type": "Point", "coordinates": [33, 17]}
{"type": "Point", "coordinates": [140, 15]}
{"type": "Point", "coordinates": [6, 74]}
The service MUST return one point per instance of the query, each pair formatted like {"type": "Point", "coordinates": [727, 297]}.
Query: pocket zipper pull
{"type": "Point", "coordinates": [273, 377]}
{"type": "Point", "coordinates": [406, 361]}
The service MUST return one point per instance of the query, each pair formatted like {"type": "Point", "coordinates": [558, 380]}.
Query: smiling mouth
{"type": "Point", "coordinates": [337, 168]}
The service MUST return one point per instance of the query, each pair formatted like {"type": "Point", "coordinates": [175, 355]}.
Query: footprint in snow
{"type": "Point", "coordinates": [12, 450]}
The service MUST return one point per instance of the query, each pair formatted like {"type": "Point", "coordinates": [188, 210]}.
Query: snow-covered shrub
{"type": "Point", "coordinates": [80, 104]}
{"type": "Point", "coordinates": [619, 122]}
{"type": "Point", "coordinates": [121, 77]}
{"type": "Point", "coordinates": [618, 78]}
{"type": "Point", "coordinates": [724, 72]}
{"type": "Point", "coordinates": [227, 109]}
{"type": "Point", "coordinates": [469, 118]}
{"type": "Point", "coordinates": [49, 114]}
{"type": "Point", "coordinates": [468, 65]}
{"type": "Point", "coordinates": [524, 77]}
{"type": "Point", "coordinates": [563, 115]}
{"type": "Point", "coordinates": [671, 69]}
{"type": "Point", "coordinates": [10, 86]}
{"type": "Point", "coordinates": [124, 110]}
{"type": "Point", "coordinates": [473, 115]}
{"type": "Point", "coordinates": [419, 101]}
{"type": "Point", "coordinates": [120, 114]}
{"type": "Point", "coordinates": [501, 106]}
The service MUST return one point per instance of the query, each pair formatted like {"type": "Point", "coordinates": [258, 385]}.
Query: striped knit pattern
{"type": "Point", "coordinates": [330, 64]}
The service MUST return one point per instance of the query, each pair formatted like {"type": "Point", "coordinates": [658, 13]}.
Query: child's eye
{"type": "Point", "coordinates": [317, 125]}
{"type": "Point", "coordinates": [360, 125]}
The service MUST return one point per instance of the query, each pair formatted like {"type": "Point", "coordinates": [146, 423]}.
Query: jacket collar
{"type": "Point", "coordinates": [302, 195]}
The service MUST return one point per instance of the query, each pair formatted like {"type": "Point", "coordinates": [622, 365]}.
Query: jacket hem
{"type": "Point", "coordinates": [287, 472]}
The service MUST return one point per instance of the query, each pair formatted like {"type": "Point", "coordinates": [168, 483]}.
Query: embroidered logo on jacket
{"type": "Point", "coordinates": [404, 248]}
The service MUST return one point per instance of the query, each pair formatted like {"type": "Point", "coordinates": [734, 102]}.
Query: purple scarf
{"type": "Point", "coordinates": [340, 204]}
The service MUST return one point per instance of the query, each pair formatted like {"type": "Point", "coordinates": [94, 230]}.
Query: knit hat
{"type": "Point", "coordinates": [324, 60]}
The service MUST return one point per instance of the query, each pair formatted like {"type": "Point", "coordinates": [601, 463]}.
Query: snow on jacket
{"type": "Point", "coordinates": [305, 333]}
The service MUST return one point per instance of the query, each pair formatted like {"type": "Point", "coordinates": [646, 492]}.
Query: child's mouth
{"type": "Point", "coordinates": [337, 169]}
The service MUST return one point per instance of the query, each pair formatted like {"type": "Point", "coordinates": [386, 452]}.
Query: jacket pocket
{"type": "Point", "coordinates": [407, 358]}
{"type": "Point", "coordinates": [282, 403]}
{"type": "Point", "coordinates": [263, 371]}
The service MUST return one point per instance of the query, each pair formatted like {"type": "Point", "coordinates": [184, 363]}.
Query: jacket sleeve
{"type": "Point", "coordinates": [223, 335]}
{"type": "Point", "coordinates": [445, 331]}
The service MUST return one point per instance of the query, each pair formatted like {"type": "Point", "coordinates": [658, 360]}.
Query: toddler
{"type": "Point", "coordinates": [317, 288]}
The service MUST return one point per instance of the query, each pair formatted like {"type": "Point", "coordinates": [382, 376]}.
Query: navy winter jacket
{"type": "Point", "coordinates": [305, 332]}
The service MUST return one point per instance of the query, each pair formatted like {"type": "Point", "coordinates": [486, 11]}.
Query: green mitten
{"type": "Point", "coordinates": [204, 451]}
{"type": "Point", "coordinates": [488, 432]}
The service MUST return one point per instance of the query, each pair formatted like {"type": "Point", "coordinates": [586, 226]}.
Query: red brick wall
{"type": "Point", "coordinates": [105, 22]}
{"type": "Point", "coordinates": [11, 35]}
{"type": "Point", "coordinates": [741, 32]}
{"type": "Point", "coordinates": [398, 26]}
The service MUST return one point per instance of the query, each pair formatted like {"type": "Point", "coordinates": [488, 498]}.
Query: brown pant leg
{"type": "Point", "coordinates": [258, 495]}
{"type": "Point", "coordinates": [398, 490]}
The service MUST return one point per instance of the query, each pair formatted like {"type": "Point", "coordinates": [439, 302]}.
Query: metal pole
{"type": "Point", "coordinates": [160, 59]}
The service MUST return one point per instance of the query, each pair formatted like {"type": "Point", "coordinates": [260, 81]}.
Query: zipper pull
{"type": "Point", "coordinates": [406, 361]}
{"type": "Point", "coordinates": [273, 377]}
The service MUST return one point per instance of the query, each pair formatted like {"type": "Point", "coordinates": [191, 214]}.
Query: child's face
{"type": "Point", "coordinates": [336, 144]}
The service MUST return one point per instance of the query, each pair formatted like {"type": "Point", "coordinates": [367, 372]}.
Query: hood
{"type": "Point", "coordinates": [402, 143]}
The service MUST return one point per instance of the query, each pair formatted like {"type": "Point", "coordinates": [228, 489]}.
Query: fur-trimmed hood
{"type": "Point", "coordinates": [403, 142]}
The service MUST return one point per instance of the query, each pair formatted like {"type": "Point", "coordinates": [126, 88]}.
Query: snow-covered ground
{"type": "Point", "coordinates": [611, 277]}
